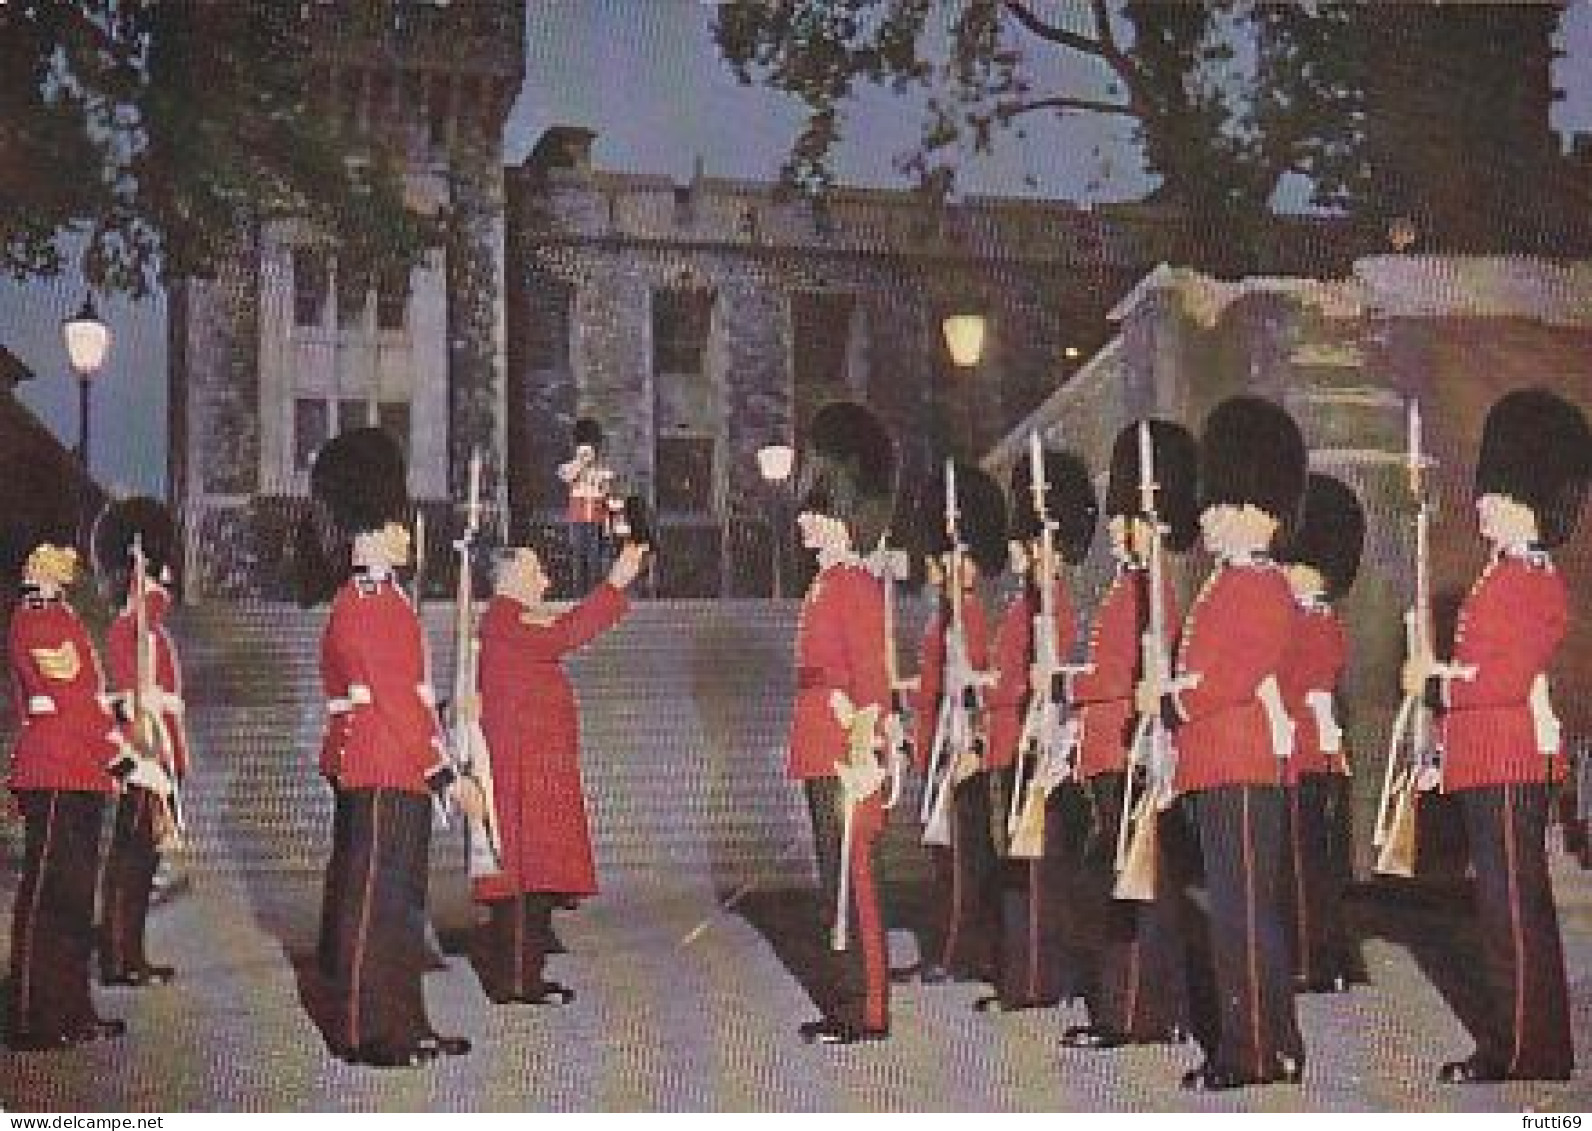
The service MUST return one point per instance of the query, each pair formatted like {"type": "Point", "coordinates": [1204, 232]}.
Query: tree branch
{"type": "Point", "coordinates": [1103, 47]}
{"type": "Point", "coordinates": [1063, 104]}
{"type": "Point", "coordinates": [1050, 33]}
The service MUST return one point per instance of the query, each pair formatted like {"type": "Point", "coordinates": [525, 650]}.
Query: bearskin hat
{"type": "Point", "coordinates": [1069, 500]}
{"type": "Point", "coordinates": [588, 431]}
{"type": "Point", "coordinates": [357, 486]}
{"type": "Point", "coordinates": [1330, 533]}
{"type": "Point", "coordinates": [1253, 453]}
{"type": "Point", "coordinates": [1535, 449]}
{"type": "Point", "coordinates": [848, 471]}
{"type": "Point", "coordinates": [148, 520]}
{"type": "Point", "coordinates": [1176, 476]}
{"type": "Point", "coordinates": [981, 518]}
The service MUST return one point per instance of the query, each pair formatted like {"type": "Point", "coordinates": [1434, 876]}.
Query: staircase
{"type": "Point", "coordinates": [684, 713]}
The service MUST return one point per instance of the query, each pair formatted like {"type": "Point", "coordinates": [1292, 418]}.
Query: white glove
{"type": "Point", "coordinates": [151, 775]}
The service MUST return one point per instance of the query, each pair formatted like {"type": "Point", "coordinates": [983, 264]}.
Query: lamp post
{"type": "Point", "coordinates": [88, 340]}
{"type": "Point", "coordinates": [774, 464]}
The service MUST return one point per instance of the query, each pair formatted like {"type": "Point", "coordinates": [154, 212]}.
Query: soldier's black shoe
{"type": "Point", "coordinates": [378, 1055]}
{"type": "Point", "coordinates": [438, 1045]}
{"type": "Point", "coordinates": [1471, 1070]}
{"type": "Point", "coordinates": [833, 1031]}
{"type": "Point", "coordinates": [1094, 1037]}
{"type": "Point", "coordinates": [1209, 1078]}
{"type": "Point", "coordinates": [1336, 984]}
{"type": "Point", "coordinates": [98, 1029]}
{"type": "Point", "coordinates": [40, 1042]}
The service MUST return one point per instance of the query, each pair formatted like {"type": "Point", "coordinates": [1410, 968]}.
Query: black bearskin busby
{"type": "Point", "coordinates": [150, 521]}
{"type": "Point", "coordinates": [588, 431]}
{"type": "Point", "coordinates": [357, 486]}
{"type": "Point", "coordinates": [1536, 450]}
{"type": "Point", "coordinates": [848, 471]}
{"type": "Point", "coordinates": [1330, 534]}
{"type": "Point", "coordinates": [1069, 499]}
{"type": "Point", "coordinates": [1176, 475]}
{"type": "Point", "coordinates": [981, 518]}
{"type": "Point", "coordinates": [1252, 453]}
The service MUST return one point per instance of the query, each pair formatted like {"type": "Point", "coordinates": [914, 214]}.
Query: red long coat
{"type": "Point", "coordinates": [839, 647]}
{"type": "Point", "coordinates": [1316, 657]}
{"type": "Point", "coordinates": [532, 727]}
{"type": "Point", "coordinates": [1014, 656]}
{"type": "Point", "coordinates": [121, 653]}
{"type": "Point", "coordinates": [68, 735]}
{"type": "Point", "coordinates": [1234, 637]}
{"type": "Point", "coordinates": [382, 732]}
{"type": "Point", "coordinates": [931, 669]}
{"type": "Point", "coordinates": [1510, 624]}
{"type": "Point", "coordinates": [1103, 694]}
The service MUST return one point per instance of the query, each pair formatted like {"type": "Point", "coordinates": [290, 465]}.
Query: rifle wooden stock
{"type": "Point", "coordinates": [1139, 874]}
{"type": "Point", "coordinates": [1396, 853]}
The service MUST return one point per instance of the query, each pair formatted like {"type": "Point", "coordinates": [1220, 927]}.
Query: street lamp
{"type": "Point", "coordinates": [88, 340]}
{"type": "Point", "coordinates": [964, 337]}
{"type": "Point", "coordinates": [775, 463]}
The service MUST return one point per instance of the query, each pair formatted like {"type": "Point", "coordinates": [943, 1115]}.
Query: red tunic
{"type": "Point", "coordinates": [931, 669]}
{"type": "Point", "coordinates": [122, 659]}
{"type": "Point", "coordinates": [1103, 695]}
{"type": "Point", "coordinates": [1235, 636]}
{"type": "Point", "coordinates": [1014, 656]}
{"type": "Point", "coordinates": [1317, 655]}
{"type": "Point", "coordinates": [383, 730]}
{"type": "Point", "coordinates": [532, 726]}
{"type": "Point", "coordinates": [839, 646]}
{"type": "Point", "coordinates": [68, 734]}
{"type": "Point", "coordinates": [1510, 624]}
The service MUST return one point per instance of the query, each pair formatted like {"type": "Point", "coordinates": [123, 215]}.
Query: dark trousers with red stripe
{"type": "Point", "coordinates": [379, 925]}
{"type": "Point", "coordinates": [1140, 987]}
{"type": "Point", "coordinates": [966, 884]}
{"type": "Point", "coordinates": [516, 941]}
{"type": "Point", "coordinates": [1241, 840]}
{"type": "Point", "coordinates": [1039, 960]}
{"type": "Point", "coordinates": [333, 892]}
{"type": "Point", "coordinates": [1526, 1030]}
{"type": "Point", "coordinates": [854, 984]}
{"type": "Point", "coordinates": [1317, 877]}
{"type": "Point", "coordinates": [129, 875]}
{"type": "Point", "coordinates": [52, 925]}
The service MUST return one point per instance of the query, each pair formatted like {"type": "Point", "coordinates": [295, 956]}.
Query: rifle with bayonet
{"type": "Point", "coordinates": [1147, 785]}
{"type": "Point", "coordinates": [151, 735]}
{"type": "Point", "coordinates": [957, 749]}
{"type": "Point", "coordinates": [1044, 746]}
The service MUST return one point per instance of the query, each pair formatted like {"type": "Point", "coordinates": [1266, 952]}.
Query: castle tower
{"type": "Point", "coordinates": [286, 347]}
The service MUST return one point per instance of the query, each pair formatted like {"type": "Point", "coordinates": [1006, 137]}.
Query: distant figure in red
{"type": "Point", "coordinates": [530, 719]}
{"type": "Point", "coordinates": [590, 481]}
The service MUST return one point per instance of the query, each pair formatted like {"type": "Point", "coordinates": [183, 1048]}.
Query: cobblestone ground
{"type": "Point", "coordinates": [684, 1006]}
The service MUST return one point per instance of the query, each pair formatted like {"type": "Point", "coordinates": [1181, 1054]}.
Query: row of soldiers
{"type": "Point", "coordinates": [1199, 749]}
{"type": "Point", "coordinates": [1163, 745]}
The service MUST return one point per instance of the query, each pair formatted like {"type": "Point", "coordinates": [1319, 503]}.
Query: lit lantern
{"type": "Point", "coordinates": [964, 337]}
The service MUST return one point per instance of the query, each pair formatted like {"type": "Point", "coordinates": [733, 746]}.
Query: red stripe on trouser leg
{"type": "Point", "coordinates": [868, 824]}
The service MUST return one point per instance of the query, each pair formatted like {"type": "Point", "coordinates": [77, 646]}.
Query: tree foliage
{"type": "Point", "coordinates": [160, 130]}
{"type": "Point", "coordinates": [1225, 96]}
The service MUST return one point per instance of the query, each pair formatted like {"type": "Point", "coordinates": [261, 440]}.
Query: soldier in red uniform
{"type": "Point", "coordinates": [845, 495]}
{"type": "Point", "coordinates": [1320, 562]}
{"type": "Point", "coordinates": [532, 728]}
{"type": "Point", "coordinates": [144, 817]}
{"type": "Point", "coordinates": [966, 895]}
{"type": "Point", "coordinates": [1231, 733]}
{"type": "Point", "coordinates": [1138, 993]}
{"type": "Point", "coordinates": [62, 770]}
{"type": "Point", "coordinates": [1037, 960]}
{"type": "Point", "coordinates": [385, 752]}
{"type": "Point", "coordinates": [1501, 746]}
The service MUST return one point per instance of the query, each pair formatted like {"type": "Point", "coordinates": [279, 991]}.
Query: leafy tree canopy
{"type": "Point", "coordinates": [1225, 96]}
{"type": "Point", "coordinates": [161, 129]}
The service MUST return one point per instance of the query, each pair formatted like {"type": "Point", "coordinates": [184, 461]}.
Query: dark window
{"type": "Point", "coordinates": [392, 298]}
{"type": "Point", "coordinates": [392, 417]}
{"type": "Point", "coordinates": [680, 322]}
{"type": "Point", "coordinates": [550, 301]}
{"type": "Point", "coordinates": [685, 473]}
{"type": "Point", "coordinates": [310, 429]}
{"type": "Point", "coordinates": [353, 288]}
{"type": "Point", "coordinates": [821, 339]}
{"type": "Point", "coordinates": [309, 286]}
{"type": "Point", "coordinates": [352, 414]}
